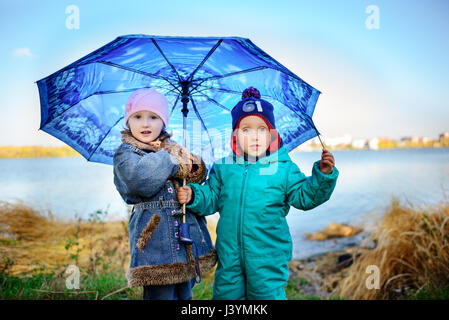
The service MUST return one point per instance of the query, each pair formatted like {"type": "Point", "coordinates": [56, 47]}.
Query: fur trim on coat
{"type": "Point", "coordinates": [198, 172]}
{"type": "Point", "coordinates": [147, 231]}
{"type": "Point", "coordinates": [176, 272]}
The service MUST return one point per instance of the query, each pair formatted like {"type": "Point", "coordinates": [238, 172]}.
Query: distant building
{"type": "Point", "coordinates": [373, 143]}
{"type": "Point", "coordinates": [444, 135]}
{"type": "Point", "coordinates": [359, 143]}
{"type": "Point", "coordinates": [334, 141]}
{"type": "Point", "coordinates": [384, 139]}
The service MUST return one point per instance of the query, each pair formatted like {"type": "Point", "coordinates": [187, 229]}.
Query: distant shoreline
{"type": "Point", "coordinates": [30, 152]}
{"type": "Point", "coordinates": [26, 152]}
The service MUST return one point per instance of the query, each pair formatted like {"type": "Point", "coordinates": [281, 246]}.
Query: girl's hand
{"type": "Point", "coordinates": [184, 194]}
{"type": "Point", "coordinates": [327, 162]}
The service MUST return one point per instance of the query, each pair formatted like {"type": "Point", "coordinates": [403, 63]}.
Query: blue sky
{"type": "Point", "coordinates": [390, 81]}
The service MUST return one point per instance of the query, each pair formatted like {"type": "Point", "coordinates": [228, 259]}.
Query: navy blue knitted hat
{"type": "Point", "coordinates": [252, 104]}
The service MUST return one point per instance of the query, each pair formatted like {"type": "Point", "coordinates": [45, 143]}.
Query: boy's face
{"type": "Point", "coordinates": [145, 125]}
{"type": "Point", "coordinates": [253, 136]}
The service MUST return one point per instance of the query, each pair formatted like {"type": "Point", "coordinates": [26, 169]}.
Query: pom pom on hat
{"type": "Point", "coordinates": [251, 92]}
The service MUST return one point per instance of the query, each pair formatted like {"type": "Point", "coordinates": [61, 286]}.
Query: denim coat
{"type": "Point", "coordinates": [146, 179]}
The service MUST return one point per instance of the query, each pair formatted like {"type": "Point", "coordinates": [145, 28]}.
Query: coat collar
{"type": "Point", "coordinates": [195, 175]}
{"type": "Point", "coordinates": [155, 145]}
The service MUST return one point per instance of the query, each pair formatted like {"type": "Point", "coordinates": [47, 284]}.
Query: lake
{"type": "Point", "coordinates": [368, 180]}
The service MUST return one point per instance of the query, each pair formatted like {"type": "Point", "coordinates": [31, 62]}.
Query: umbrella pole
{"type": "Point", "coordinates": [185, 111]}
{"type": "Point", "coordinates": [184, 180]}
{"type": "Point", "coordinates": [184, 230]}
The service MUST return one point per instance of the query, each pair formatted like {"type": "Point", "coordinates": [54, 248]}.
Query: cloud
{"type": "Point", "coordinates": [23, 52]}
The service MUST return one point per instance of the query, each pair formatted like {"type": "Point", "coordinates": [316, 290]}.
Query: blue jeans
{"type": "Point", "coordinates": [178, 291]}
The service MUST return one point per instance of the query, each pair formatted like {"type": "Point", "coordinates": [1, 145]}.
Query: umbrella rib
{"type": "Point", "coordinates": [233, 73]}
{"type": "Point", "coordinates": [140, 72]}
{"type": "Point", "coordinates": [104, 137]}
{"type": "Point", "coordinates": [202, 122]}
{"type": "Point", "coordinates": [214, 101]}
{"type": "Point", "coordinates": [176, 102]}
{"type": "Point", "coordinates": [250, 70]}
{"type": "Point", "coordinates": [238, 93]}
{"type": "Point", "coordinates": [302, 115]}
{"type": "Point", "coordinates": [121, 91]}
{"type": "Point", "coordinates": [160, 50]}
{"type": "Point", "coordinates": [229, 75]}
{"type": "Point", "coordinates": [205, 58]}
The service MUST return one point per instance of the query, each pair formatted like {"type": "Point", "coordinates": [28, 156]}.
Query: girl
{"type": "Point", "coordinates": [253, 189]}
{"type": "Point", "coordinates": [148, 167]}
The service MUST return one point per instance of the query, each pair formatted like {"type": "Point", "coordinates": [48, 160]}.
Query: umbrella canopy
{"type": "Point", "coordinates": [83, 104]}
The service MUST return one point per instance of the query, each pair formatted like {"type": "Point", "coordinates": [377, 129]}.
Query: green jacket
{"type": "Point", "coordinates": [253, 200]}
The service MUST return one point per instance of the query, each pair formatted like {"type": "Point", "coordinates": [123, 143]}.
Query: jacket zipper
{"type": "Point", "coordinates": [240, 228]}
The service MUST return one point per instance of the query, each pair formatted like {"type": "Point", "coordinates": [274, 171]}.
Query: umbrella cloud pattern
{"type": "Point", "coordinates": [83, 104]}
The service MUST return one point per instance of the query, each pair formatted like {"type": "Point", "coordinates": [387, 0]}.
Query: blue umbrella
{"type": "Point", "coordinates": [83, 104]}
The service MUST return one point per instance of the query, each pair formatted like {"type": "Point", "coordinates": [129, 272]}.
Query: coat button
{"type": "Point", "coordinates": [176, 234]}
{"type": "Point", "coordinates": [175, 223]}
{"type": "Point", "coordinates": [177, 246]}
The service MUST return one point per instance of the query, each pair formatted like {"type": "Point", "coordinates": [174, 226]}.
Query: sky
{"type": "Point", "coordinates": [390, 80]}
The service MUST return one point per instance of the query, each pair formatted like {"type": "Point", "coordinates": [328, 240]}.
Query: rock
{"type": "Point", "coordinates": [334, 230]}
{"type": "Point", "coordinates": [319, 236]}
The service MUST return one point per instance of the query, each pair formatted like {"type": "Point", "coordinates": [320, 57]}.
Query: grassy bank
{"type": "Point", "coordinates": [36, 250]}
{"type": "Point", "coordinates": [405, 256]}
{"type": "Point", "coordinates": [411, 253]}
{"type": "Point", "coordinates": [411, 257]}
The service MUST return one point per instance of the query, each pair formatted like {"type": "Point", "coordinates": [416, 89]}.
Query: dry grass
{"type": "Point", "coordinates": [32, 240]}
{"type": "Point", "coordinates": [412, 254]}
{"type": "Point", "coordinates": [36, 249]}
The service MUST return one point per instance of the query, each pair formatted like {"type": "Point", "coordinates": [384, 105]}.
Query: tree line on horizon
{"type": "Point", "coordinates": [9, 152]}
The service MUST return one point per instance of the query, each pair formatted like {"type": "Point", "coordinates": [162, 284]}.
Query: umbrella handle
{"type": "Point", "coordinates": [321, 141]}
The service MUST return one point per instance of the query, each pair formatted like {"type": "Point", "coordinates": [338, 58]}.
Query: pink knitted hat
{"type": "Point", "coordinates": [147, 99]}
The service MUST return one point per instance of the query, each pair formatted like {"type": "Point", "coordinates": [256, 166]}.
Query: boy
{"type": "Point", "coordinates": [253, 189]}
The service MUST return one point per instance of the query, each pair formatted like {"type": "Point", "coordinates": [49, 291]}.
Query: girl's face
{"type": "Point", "coordinates": [253, 136]}
{"type": "Point", "coordinates": [145, 126]}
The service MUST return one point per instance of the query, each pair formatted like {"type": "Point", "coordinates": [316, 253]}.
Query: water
{"type": "Point", "coordinates": [367, 182]}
